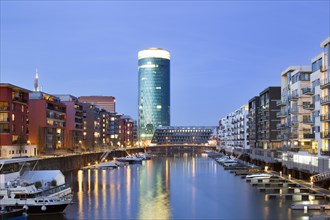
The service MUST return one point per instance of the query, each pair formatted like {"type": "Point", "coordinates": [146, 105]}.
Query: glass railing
{"type": "Point", "coordinates": [325, 117]}
{"type": "Point", "coordinates": [307, 91]}
{"type": "Point", "coordinates": [325, 99]}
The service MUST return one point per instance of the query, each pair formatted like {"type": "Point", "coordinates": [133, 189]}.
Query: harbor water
{"type": "Point", "coordinates": [176, 187]}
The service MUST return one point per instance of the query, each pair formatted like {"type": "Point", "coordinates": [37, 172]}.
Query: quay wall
{"type": "Point", "coordinates": [76, 161]}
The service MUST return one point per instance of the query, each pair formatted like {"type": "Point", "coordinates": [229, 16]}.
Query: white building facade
{"type": "Point", "coordinates": [307, 147]}
{"type": "Point", "coordinates": [233, 131]}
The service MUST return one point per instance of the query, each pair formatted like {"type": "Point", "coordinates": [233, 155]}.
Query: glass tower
{"type": "Point", "coordinates": [154, 91]}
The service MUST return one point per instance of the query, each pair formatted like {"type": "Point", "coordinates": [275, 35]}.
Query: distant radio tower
{"type": "Point", "coordinates": [36, 82]}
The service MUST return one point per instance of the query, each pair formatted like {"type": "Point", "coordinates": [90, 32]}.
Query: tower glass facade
{"type": "Point", "coordinates": [154, 91]}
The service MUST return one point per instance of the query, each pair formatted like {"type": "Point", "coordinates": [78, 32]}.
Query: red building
{"type": "Point", "coordinates": [13, 114]}
{"type": "Point", "coordinates": [73, 135]}
{"type": "Point", "coordinates": [126, 131]}
{"type": "Point", "coordinates": [47, 116]}
{"type": "Point", "coordinates": [14, 119]}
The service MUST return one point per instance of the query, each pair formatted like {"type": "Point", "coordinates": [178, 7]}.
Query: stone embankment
{"type": "Point", "coordinates": [71, 162]}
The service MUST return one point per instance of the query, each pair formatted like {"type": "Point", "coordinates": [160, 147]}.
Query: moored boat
{"type": "Point", "coordinates": [129, 159]}
{"type": "Point", "coordinates": [259, 176]}
{"type": "Point", "coordinates": [37, 192]}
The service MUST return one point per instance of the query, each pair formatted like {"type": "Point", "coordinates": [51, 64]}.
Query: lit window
{"type": "Point", "coordinates": [158, 87]}
{"type": "Point", "coordinates": [158, 106]}
{"type": "Point", "coordinates": [12, 117]}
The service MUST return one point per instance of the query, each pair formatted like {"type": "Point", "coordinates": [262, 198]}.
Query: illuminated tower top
{"type": "Point", "coordinates": [36, 82]}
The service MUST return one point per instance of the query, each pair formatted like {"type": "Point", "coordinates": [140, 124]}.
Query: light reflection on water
{"type": "Point", "coordinates": [170, 188]}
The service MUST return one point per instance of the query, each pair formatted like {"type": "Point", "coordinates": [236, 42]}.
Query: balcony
{"type": "Point", "coordinates": [4, 109]}
{"type": "Point", "coordinates": [308, 106]}
{"type": "Point", "coordinates": [280, 126]}
{"type": "Point", "coordinates": [307, 91]}
{"type": "Point", "coordinates": [56, 109]}
{"type": "Point", "coordinates": [325, 117]}
{"type": "Point", "coordinates": [308, 121]}
{"type": "Point", "coordinates": [20, 99]}
{"type": "Point", "coordinates": [325, 134]}
{"type": "Point", "coordinates": [309, 136]}
{"type": "Point", "coordinates": [325, 83]}
{"type": "Point", "coordinates": [325, 100]}
{"type": "Point", "coordinates": [325, 153]}
{"type": "Point", "coordinates": [281, 102]}
{"type": "Point", "coordinates": [281, 114]}
{"type": "Point", "coordinates": [294, 97]}
{"type": "Point", "coordinates": [294, 110]}
{"type": "Point", "coordinates": [4, 120]}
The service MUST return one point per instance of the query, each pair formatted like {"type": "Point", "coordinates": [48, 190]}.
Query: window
{"type": "Point", "coordinates": [317, 65]}
{"type": "Point", "coordinates": [315, 83]}
{"type": "Point", "coordinates": [4, 117]}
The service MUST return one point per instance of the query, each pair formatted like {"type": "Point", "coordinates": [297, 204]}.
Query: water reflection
{"type": "Point", "coordinates": [171, 187]}
{"type": "Point", "coordinates": [153, 193]}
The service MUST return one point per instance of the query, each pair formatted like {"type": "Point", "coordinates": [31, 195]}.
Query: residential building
{"type": "Point", "coordinates": [181, 135]}
{"type": "Point", "coordinates": [91, 126]}
{"type": "Point", "coordinates": [263, 125]}
{"type": "Point", "coordinates": [309, 153]}
{"type": "Point", "coordinates": [253, 122]}
{"type": "Point", "coordinates": [107, 103]}
{"type": "Point", "coordinates": [233, 131]}
{"type": "Point", "coordinates": [47, 121]}
{"type": "Point", "coordinates": [154, 92]}
{"type": "Point", "coordinates": [14, 132]}
{"type": "Point", "coordinates": [126, 131]}
{"type": "Point", "coordinates": [105, 131]}
{"type": "Point", "coordinates": [73, 134]}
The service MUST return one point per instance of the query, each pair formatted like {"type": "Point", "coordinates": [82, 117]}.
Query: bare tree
{"type": "Point", "coordinates": [21, 142]}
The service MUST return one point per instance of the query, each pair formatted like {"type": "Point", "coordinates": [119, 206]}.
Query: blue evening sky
{"type": "Point", "coordinates": [222, 52]}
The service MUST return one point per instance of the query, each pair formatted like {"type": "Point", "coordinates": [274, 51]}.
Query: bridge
{"type": "Point", "coordinates": [179, 148]}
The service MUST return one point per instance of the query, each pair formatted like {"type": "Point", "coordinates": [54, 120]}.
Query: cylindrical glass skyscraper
{"type": "Point", "coordinates": [154, 91]}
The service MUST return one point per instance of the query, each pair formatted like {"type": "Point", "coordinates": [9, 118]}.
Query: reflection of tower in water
{"type": "Point", "coordinates": [154, 191]}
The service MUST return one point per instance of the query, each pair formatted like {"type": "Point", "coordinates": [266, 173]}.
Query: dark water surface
{"type": "Point", "coordinates": [170, 188]}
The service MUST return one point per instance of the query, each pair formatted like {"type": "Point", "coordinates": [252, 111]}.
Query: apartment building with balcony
{"type": "Point", "coordinates": [263, 125]}
{"type": "Point", "coordinates": [296, 93]}
{"type": "Point", "coordinates": [126, 131]}
{"type": "Point", "coordinates": [73, 134]}
{"type": "Point", "coordinates": [309, 153]}
{"type": "Point", "coordinates": [253, 119]}
{"type": "Point", "coordinates": [14, 120]}
{"type": "Point", "coordinates": [47, 122]}
{"type": "Point", "coordinates": [233, 131]}
{"type": "Point", "coordinates": [91, 126]}
{"type": "Point", "coordinates": [320, 65]}
{"type": "Point", "coordinates": [105, 131]}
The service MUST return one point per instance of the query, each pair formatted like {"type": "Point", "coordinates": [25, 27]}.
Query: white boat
{"type": "Point", "coordinates": [143, 156]}
{"type": "Point", "coordinates": [259, 176]}
{"type": "Point", "coordinates": [107, 165]}
{"type": "Point", "coordinates": [230, 163]}
{"type": "Point", "coordinates": [129, 159]}
{"type": "Point", "coordinates": [37, 192]}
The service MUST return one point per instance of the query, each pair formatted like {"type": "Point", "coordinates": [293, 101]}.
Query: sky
{"type": "Point", "coordinates": [222, 52]}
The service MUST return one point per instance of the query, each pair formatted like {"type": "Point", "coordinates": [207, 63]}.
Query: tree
{"type": "Point", "coordinates": [21, 142]}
